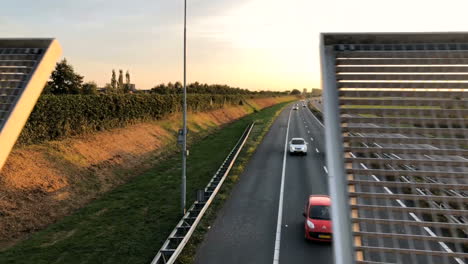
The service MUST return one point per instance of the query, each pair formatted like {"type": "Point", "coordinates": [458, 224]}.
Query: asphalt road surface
{"type": "Point", "coordinates": [245, 230]}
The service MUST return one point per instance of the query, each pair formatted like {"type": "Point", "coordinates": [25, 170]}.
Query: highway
{"type": "Point", "coordinates": [262, 220]}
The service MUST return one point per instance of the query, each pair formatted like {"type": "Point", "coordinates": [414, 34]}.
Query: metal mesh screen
{"type": "Point", "coordinates": [16, 66]}
{"type": "Point", "coordinates": [403, 110]}
{"type": "Point", "coordinates": [25, 66]}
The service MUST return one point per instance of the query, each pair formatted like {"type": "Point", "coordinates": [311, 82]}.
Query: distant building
{"type": "Point", "coordinates": [316, 92]}
{"type": "Point", "coordinates": [304, 92]}
{"type": "Point", "coordinates": [132, 88]}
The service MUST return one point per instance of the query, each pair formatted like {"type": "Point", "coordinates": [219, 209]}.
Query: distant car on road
{"type": "Point", "coordinates": [295, 107]}
{"type": "Point", "coordinates": [298, 146]}
{"type": "Point", "coordinates": [318, 225]}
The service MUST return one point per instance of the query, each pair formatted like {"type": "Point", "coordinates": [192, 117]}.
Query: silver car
{"type": "Point", "coordinates": [298, 146]}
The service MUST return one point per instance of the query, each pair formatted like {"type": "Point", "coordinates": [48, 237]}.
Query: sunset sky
{"type": "Point", "coordinates": [253, 44]}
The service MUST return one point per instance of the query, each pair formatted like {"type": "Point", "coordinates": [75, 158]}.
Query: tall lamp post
{"type": "Point", "coordinates": [184, 130]}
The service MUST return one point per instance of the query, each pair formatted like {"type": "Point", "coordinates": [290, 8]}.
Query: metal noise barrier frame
{"type": "Point", "coordinates": [396, 118]}
{"type": "Point", "coordinates": [25, 67]}
{"type": "Point", "coordinates": [181, 234]}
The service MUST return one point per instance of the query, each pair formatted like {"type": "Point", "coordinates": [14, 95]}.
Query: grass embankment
{"type": "Point", "coordinates": [130, 223]}
{"type": "Point", "coordinates": [42, 183]}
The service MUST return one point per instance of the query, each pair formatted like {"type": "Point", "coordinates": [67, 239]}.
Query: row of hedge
{"type": "Point", "coordinates": [56, 117]}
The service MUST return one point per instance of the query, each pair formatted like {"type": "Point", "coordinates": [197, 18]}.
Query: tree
{"type": "Point", "coordinates": [160, 89]}
{"type": "Point", "coordinates": [178, 88]}
{"type": "Point", "coordinates": [108, 88]}
{"type": "Point", "coordinates": [120, 85]}
{"type": "Point", "coordinates": [127, 77]}
{"type": "Point", "coordinates": [295, 92]}
{"type": "Point", "coordinates": [113, 81]}
{"type": "Point", "coordinates": [127, 82]}
{"type": "Point", "coordinates": [170, 87]}
{"type": "Point", "coordinates": [89, 88]}
{"type": "Point", "coordinates": [64, 80]}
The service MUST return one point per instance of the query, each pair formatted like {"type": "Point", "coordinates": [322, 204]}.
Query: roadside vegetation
{"type": "Point", "coordinates": [130, 223]}
{"type": "Point", "coordinates": [42, 183]}
{"type": "Point", "coordinates": [69, 107]}
{"type": "Point", "coordinates": [60, 116]}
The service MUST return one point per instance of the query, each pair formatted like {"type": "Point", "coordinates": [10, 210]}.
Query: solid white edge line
{"type": "Point", "coordinates": [280, 204]}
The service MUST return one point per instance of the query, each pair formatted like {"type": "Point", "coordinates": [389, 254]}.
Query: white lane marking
{"type": "Point", "coordinates": [305, 126]}
{"type": "Point", "coordinates": [308, 131]}
{"type": "Point", "coordinates": [311, 139]}
{"type": "Point", "coordinates": [280, 205]}
{"type": "Point", "coordinates": [316, 149]}
{"type": "Point", "coordinates": [325, 169]}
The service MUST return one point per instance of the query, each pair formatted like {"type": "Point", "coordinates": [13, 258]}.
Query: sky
{"type": "Point", "coordinates": [252, 44]}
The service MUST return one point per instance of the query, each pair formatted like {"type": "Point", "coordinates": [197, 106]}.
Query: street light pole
{"type": "Point", "coordinates": [184, 144]}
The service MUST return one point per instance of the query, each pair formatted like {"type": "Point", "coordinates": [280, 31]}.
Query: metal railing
{"type": "Point", "coordinates": [184, 229]}
{"type": "Point", "coordinates": [401, 102]}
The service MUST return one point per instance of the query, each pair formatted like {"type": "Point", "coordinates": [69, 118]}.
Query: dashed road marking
{"type": "Point", "coordinates": [316, 149]}
{"type": "Point", "coordinates": [325, 169]}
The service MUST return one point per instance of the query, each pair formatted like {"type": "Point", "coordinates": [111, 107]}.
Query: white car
{"type": "Point", "coordinates": [297, 146]}
{"type": "Point", "coordinates": [295, 107]}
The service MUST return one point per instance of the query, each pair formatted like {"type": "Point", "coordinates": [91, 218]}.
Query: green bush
{"type": "Point", "coordinates": [56, 117]}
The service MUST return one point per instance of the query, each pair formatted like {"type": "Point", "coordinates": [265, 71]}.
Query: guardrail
{"type": "Point", "coordinates": [179, 237]}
